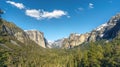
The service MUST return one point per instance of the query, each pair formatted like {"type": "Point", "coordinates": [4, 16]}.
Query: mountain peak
{"type": "Point", "coordinates": [36, 36]}
{"type": "Point", "coordinates": [106, 31]}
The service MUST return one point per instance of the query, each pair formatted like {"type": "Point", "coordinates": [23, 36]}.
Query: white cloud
{"type": "Point", "coordinates": [91, 5]}
{"type": "Point", "coordinates": [54, 14]}
{"type": "Point", "coordinates": [41, 14]}
{"type": "Point", "coordinates": [33, 13]}
{"type": "Point", "coordinates": [18, 5]}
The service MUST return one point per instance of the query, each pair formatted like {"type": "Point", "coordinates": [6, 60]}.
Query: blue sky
{"type": "Point", "coordinates": [59, 18]}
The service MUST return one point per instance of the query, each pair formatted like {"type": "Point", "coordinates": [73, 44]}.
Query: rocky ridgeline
{"type": "Point", "coordinates": [26, 37]}
{"type": "Point", "coordinates": [11, 30]}
{"type": "Point", "coordinates": [106, 31]}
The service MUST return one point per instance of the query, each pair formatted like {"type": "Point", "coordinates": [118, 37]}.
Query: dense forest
{"type": "Point", "coordinates": [94, 54]}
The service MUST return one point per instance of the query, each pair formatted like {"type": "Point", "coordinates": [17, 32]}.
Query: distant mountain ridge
{"type": "Point", "coordinates": [106, 31]}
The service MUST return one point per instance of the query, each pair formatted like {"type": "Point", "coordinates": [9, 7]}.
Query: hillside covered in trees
{"type": "Point", "coordinates": [98, 54]}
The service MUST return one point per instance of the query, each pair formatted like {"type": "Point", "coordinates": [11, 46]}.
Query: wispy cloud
{"type": "Point", "coordinates": [18, 5]}
{"type": "Point", "coordinates": [91, 5]}
{"type": "Point", "coordinates": [41, 14]}
{"type": "Point", "coordinates": [80, 9]}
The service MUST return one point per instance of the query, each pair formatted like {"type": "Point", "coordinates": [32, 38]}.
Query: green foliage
{"type": "Point", "coordinates": [2, 40]}
{"type": "Point", "coordinates": [93, 55]}
{"type": "Point", "coordinates": [4, 58]}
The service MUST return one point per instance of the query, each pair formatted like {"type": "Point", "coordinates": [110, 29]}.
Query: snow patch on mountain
{"type": "Point", "coordinates": [50, 42]}
{"type": "Point", "coordinates": [101, 27]}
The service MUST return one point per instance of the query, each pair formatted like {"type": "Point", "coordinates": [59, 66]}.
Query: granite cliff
{"type": "Point", "coordinates": [106, 31]}
{"type": "Point", "coordinates": [37, 37]}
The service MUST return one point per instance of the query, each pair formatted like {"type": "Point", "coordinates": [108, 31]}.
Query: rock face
{"type": "Point", "coordinates": [113, 29]}
{"type": "Point", "coordinates": [25, 37]}
{"type": "Point", "coordinates": [58, 43]}
{"type": "Point", "coordinates": [37, 37]}
{"type": "Point", "coordinates": [74, 40]}
{"type": "Point", "coordinates": [13, 31]}
{"type": "Point", "coordinates": [106, 31]}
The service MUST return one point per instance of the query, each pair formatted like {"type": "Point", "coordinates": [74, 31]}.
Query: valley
{"type": "Point", "coordinates": [99, 48]}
